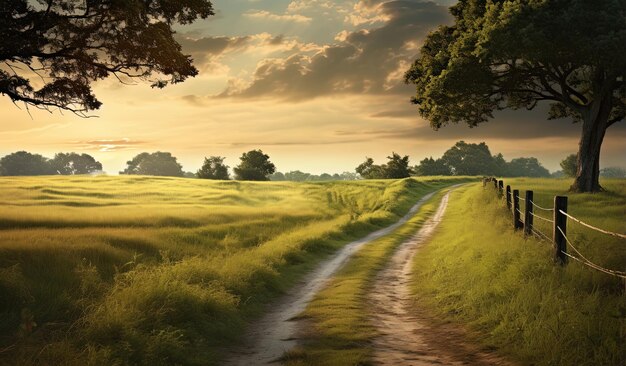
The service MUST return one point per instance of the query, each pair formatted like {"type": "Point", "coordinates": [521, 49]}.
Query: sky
{"type": "Point", "coordinates": [316, 84]}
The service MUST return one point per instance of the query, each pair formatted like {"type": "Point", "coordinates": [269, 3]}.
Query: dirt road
{"type": "Point", "coordinates": [407, 335]}
{"type": "Point", "coordinates": [275, 333]}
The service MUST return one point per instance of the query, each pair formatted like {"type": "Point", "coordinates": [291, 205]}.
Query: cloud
{"type": "Point", "coordinates": [508, 124]}
{"type": "Point", "coordinates": [397, 113]}
{"type": "Point", "coordinates": [296, 142]}
{"type": "Point", "coordinates": [107, 145]}
{"type": "Point", "coordinates": [212, 45]}
{"type": "Point", "coordinates": [266, 15]}
{"type": "Point", "coordinates": [209, 52]}
{"type": "Point", "coordinates": [206, 51]}
{"type": "Point", "coordinates": [367, 13]}
{"type": "Point", "coordinates": [364, 61]}
{"type": "Point", "coordinates": [298, 6]}
{"type": "Point", "coordinates": [192, 99]}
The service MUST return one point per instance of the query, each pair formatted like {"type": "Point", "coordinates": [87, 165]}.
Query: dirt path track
{"type": "Point", "coordinates": [275, 333]}
{"type": "Point", "coordinates": [408, 336]}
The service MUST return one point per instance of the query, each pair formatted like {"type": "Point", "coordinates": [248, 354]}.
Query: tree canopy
{"type": "Point", "coordinates": [430, 166]}
{"type": "Point", "coordinates": [51, 51]}
{"type": "Point", "coordinates": [569, 165]}
{"type": "Point", "coordinates": [158, 163]}
{"type": "Point", "coordinates": [526, 167]}
{"type": "Point", "coordinates": [73, 163]}
{"type": "Point", "coordinates": [397, 167]}
{"type": "Point", "coordinates": [476, 159]}
{"type": "Point", "coordinates": [469, 159]}
{"type": "Point", "coordinates": [214, 168]}
{"type": "Point", "coordinates": [255, 165]}
{"type": "Point", "coordinates": [516, 54]}
{"type": "Point", "coordinates": [24, 163]}
{"type": "Point", "coordinates": [369, 170]}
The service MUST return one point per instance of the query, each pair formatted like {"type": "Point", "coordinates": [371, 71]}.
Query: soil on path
{"type": "Point", "coordinates": [276, 332]}
{"type": "Point", "coordinates": [408, 336]}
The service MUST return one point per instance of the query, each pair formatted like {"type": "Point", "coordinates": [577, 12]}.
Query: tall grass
{"type": "Point", "coordinates": [479, 272]}
{"type": "Point", "coordinates": [150, 271]}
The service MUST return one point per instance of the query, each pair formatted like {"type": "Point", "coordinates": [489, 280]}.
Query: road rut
{"type": "Point", "coordinates": [407, 335]}
{"type": "Point", "coordinates": [276, 332]}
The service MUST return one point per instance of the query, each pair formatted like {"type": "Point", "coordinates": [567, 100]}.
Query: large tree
{"type": "Point", "coordinates": [24, 163]}
{"type": "Point", "coordinates": [515, 54]}
{"type": "Point", "coordinates": [430, 166]}
{"type": "Point", "coordinates": [569, 165]}
{"type": "Point", "coordinates": [255, 165]}
{"type": "Point", "coordinates": [369, 170]}
{"type": "Point", "coordinates": [158, 163]}
{"type": "Point", "coordinates": [73, 163]}
{"type": "Point", "coordinates": [469, 159]}
{"type": "Point", "coordinates": [52, 50]}
{"type": "Point", "coordinates": [397, 167]}
{"type": "Point", "coordinates": [526, 167]}
{"type": "Point", "coordinates": [214, 168]}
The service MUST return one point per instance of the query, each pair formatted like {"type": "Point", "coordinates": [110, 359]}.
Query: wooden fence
{"type": "Point", "coordinates": [558, 221]}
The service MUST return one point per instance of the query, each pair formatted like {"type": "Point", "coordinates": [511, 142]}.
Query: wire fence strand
{"type": "Point", "coordinates": [597, 268]}
{"type": "Point", "coordinates": [579, 257]}
{"type": "Point", "coordinates": [542, 218]}
{"type": "Point", "coordinates": [593, 227]}
{"type": "Point", "coordinates": [541, 208]}
{"type": "Point", "coordinates": [587, 262]}
{"type": "Point", "coordinates": [540, 235]}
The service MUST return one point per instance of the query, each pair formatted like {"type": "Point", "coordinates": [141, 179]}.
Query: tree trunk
{"type": "Point", "coordinates": [594, 128]}
{"type": "Point", "coordinates": [588, 171]}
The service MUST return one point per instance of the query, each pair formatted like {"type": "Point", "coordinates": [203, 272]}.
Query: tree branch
{"type": "Point", "coordinates": [615, 120]}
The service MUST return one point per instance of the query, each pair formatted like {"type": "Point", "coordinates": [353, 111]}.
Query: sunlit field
{"type": "Point", "coordinates": [149, 271]}
{"type": "Point", "coordinates": [478, 271]}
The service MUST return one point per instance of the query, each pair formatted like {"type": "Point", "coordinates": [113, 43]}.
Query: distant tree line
{"type": "Point", "coordinates": [461, 159]}
{"type": "Point", "coordinates": [255, 165]}
{"type": "Point", "coordinates": [471, 159]}
{"type": "Point", "coordinates": [298, 176]}
{"type": "Point", "coordinates": [569, 167]}
{"type": "Point", "coordinates": [476, 159]}
{"type": "Point", "coordinates": [24, 163]}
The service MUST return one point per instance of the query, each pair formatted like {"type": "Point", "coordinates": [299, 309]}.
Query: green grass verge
{"type": "Point", "coordinates": [478, 272]}
{"type": "Point", "coordinates": [161, 271]}
{"type": "Point", "coordinates": [338, 327]}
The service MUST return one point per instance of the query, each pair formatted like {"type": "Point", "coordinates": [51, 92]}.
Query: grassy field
{"type": "Point", "coordinates": [340, 332]}
{"type": "Point", "coordinates": [151, 271]}
{"type": "Point", "coordinates": [478, 272]}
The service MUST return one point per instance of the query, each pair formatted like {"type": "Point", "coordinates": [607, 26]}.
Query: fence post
{"type": "Point", "coordinates": [528, 210]}
{"type": "Point", "coordinates": [508, 197]}
{"type": "Point", "coordinates": [517, 223]}
{"type": "Point", "coordinates": [495, 183]}
{"type": "Point", "coordinates": [560, 221]}
{"type": "Point", "coordinates": [500, 188]}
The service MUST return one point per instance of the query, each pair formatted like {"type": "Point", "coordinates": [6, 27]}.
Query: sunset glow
{"type": "Point", "coordinates": [316, 84]}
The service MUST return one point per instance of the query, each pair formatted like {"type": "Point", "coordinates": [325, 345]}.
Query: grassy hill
{"type": "Point", "coordinates": [150, 271]}
{"type": "Point", "coordinates": [502, 288]}
{"type": "Point", "coordinates": [479, 272]}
